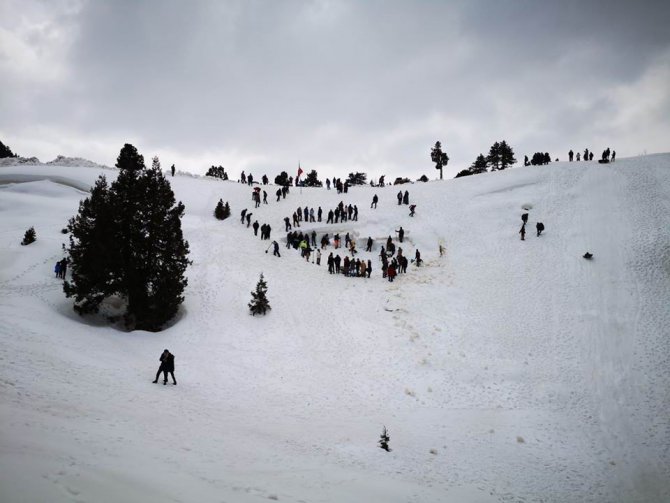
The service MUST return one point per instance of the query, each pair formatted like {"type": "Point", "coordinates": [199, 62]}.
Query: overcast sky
{"type": "Point", "coordinates": [338, 86]}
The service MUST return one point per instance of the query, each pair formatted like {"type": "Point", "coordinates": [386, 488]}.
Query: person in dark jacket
{"type": "Point", "coordinates": [275, 245]}
{"type": "Point", "coordinates": [167, 365]}
{"type": "Point", "coordinates": [524, 218]}
{"type": "Point", "coordinates": [400, 197]}
{"type": "Point", "coordinates": [256, 225]}
{"type": "Point", "coordinates": [375, 200]}
{"type": "Point", "coordinates": [401, 234]}
{"type": "Point", "coordinates": [405, 198]}
{"type": "Point", "coordinates": [539, 227]}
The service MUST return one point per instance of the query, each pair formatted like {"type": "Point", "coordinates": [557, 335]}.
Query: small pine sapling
{"type": "Point", "coordinates": [222, 211]}
{"type": "Point", "coordinates": [384, 440]}
{"type": "Point", "coordinates": [29, 237]}
{"type": "Point", "coordinates": [259, 302]}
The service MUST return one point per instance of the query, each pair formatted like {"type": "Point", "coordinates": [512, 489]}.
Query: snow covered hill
{"type": "Point", "coordinates": [505, 370]}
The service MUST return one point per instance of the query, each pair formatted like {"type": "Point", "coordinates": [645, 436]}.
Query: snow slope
{"type": "Point", "coordinates": [506, 370]}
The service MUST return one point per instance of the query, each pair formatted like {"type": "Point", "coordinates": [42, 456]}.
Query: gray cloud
{"type": "Point", "coordinates": [340, 86]}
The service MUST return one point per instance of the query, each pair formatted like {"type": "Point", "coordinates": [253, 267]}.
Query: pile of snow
{"type": "Point", "coordinates": [76, 161]}
{"type": "Point", "coordinates": [505, 370]}
{"type": "Point", "coordinates": [17, 161]}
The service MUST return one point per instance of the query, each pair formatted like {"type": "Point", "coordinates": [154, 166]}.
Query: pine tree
{"type": "Point", "coordinates": [357, 178]}
{"type": "Point", "coordinates": [384, 440]}
{"type": "Point", "coordinates": [94, 254]}
{"type": "Point", "coordinates": [438, 157]}
{"type": "Point", "coordinates": [494, 157]}
{"type": "Point", "coordinates": [127, 241]}
{"type": "Point", "coordinates": [282, 179]}
{"type": "Point", "coordinates": [5, 151]}
{"type": "Point", "coordinates": [29, 237]}
{"type": "Point", "coordinates": [463, 172]}
{"type": "Point", "coordinates": [479, 166]}
{"type": "Point", "coordinates": [217, 172]}
{"type": "Point", "coordinates": [259, 301]}
{"type": "Point", "coordinates": [222, 211]}
{"type": "Point", "coordinates": [537, 159]}
{"type": "Point", "coordinates": [130, 159]}
{"type": "Point", "coordinates": [312, 179]}
{"type": "Point", "coordinates": [507, 158]}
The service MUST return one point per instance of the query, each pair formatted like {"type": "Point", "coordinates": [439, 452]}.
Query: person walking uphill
{"type": "Point", "coordinates": [167, 365]}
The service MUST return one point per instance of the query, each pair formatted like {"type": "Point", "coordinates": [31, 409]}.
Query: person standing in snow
{"type": "Point", "coordinates": [401, 234]}
{"type": "Point", "coordinates": [399, 197]}
{"type": "Point", "coordinates": [417, 257]}
{"type": "Point", "coordinates": [255, 226]}
{"type": "Point", "coordinates": [368, 247]}
{"type": "Point", "coordinates": [375, 200]}
{"type": "Point", "coordinates": [275, 247]}
{"type": "Point", "coordinates": [167, 366]}
{"type": "Point", "coordinates": [63, 268]}
{"type": "Point", "coordinates": [57, 269]}
{"type": "Point", "coordinates": [390, 272]}
{"type": "Point", "coordinates": [318, 257]}
{"type": "Point", "coordinates": [243, 213]}
{"type": "Point", "coordinates": [570, 155]}
{"type": "Point", "coordinates": [405, 199]}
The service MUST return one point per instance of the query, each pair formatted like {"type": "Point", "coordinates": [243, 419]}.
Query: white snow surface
{"type": "Point", "coordinates": [504, 371]}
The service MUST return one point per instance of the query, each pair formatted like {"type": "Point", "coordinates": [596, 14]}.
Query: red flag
{"type": "Point", "coordinates": [299, 171]}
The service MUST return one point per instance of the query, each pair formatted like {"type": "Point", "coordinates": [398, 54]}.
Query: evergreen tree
{"type": "Point", "coordinates": [312, 179]}
{"type": "Point", "coordinates": [93, 251]}
{"type": "Point", "coordinates": [438, 157]}
{"type": "Point", "coordinates": [537, 159]}
{"type": "Point", "coordinates": [479, 166]}
{"type": "Point", "coordinates": [259, 302]}
{"type": "Point", "coordinates": [384, 440]}
{"type": "Point", "coordinates": [546, 158]}
{"type": "Point", "coordinates": [217, 172]}
{"type": "Point", "coordinates": [464, 172]}
{"type": "Point", "coordinates": [5, 151]}
{"type": "Point", "coordinates": [29, 237]}
{"type": "Point", "coordinates": [130, 159]}
{"type": "Point", "coordinates": [507, 158]}
{"type": "Point", "coordinates": [127, 241]}
{"type": "Point", "coordinates": [282, 179]}
{"type": "Point", "coordinates": [222, 211]}
{"type": "Point", "coordinates": [423, 179]}
{"type": "Point", "coordinates": [493, 159]}
{"type": "Point", "coordinates": [357, 178]}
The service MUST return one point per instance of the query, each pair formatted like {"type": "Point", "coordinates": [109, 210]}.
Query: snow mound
{"type": "Point", "coordinates": [16, 161]}
{"type": "Point", "coordinates": [61, 160]}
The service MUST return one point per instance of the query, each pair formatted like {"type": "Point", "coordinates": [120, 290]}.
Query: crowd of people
{"type": "Point", "coordinates": [588, 156]}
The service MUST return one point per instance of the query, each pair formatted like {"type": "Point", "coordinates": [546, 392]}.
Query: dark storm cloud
{"type": "Point", "coordinates": [341, 85]}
